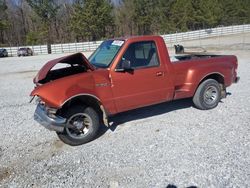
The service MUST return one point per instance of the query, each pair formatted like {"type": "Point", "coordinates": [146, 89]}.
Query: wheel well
{"type": "Point", "coordinates": [218, 77]}
{"type": "Point", "coordinates": [85, 101]}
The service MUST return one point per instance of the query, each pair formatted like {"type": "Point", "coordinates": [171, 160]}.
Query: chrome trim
{"type": "Point", "coordinates": [78, 95]}
{"type": "Point", "coordinates": [211, 95]}
{"type": "Point", "coordinates": [56, 123]}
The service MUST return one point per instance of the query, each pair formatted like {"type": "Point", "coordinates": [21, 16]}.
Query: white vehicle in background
{"type": "Point", "coordinates": [24, 52]}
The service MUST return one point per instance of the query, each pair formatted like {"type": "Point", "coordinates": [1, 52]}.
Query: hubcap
{"type": "Point", "coordinates": [210, 95]}
{"type": "Point", "coordinates": [81, 124]}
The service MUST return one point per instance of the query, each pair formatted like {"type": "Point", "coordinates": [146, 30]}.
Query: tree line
{"type": "Point", "coordinates": [31, 22]}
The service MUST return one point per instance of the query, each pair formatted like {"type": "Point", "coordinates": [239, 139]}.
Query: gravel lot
{"type": "Point", "coordinates": [167, 144]}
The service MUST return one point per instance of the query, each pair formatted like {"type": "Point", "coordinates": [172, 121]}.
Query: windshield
{"type": "Point", "coordinates": [105, 53]}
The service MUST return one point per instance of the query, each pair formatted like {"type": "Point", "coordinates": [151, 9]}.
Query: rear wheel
{"type": "Point", "coordinates": [82, 125]}
{"type": "Point", "coordinates": [208, 95]}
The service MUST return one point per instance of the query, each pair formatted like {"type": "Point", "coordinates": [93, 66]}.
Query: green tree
{"type": "Point", "coordinates": [92, 19]}
{"type": "Point", "coordinates": [4, 24]}
{"type": "Point", "coordinates": [46, 21]}
{"type": "Point", "coordinates": [47, 11]}
{"type": "Point", "coordinates": [145, 12]}
{"type": "Point", "coordinates": [138, 17]}
{"type": "Point", "coordinates": [124, 18]}
{"type": "Point", "coordinates": [207, 13]}
{"type": "Point", "coordinates": [164, 16]}
{"type": "Point", "coordinates": [34, 38]}
{"type": "Point", "coordinates": [235, 12]}
{"type": "Point", "coordinates": [182, 14]}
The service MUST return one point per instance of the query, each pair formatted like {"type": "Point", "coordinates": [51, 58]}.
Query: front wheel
{"type": "Point", "coordinates": [208, 95]}
{"type": "Point", "coordinates": [84, 125]}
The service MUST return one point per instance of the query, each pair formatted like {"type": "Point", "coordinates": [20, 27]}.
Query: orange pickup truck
{"type": "Point", "coordinates": [76, 95]}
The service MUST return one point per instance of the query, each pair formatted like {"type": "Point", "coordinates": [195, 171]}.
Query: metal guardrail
{"type": "Point", "coordinates": [168, 38]}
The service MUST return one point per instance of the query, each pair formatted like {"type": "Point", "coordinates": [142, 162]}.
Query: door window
{"type": "Point", "coordinates": [142, 55]}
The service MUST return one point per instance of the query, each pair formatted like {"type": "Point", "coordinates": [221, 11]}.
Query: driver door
{"type": "Point", "coordinates": [145, 83]}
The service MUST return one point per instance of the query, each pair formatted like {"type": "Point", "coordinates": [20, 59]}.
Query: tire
{"type": "Point", "coordinates": [208, 95]}
{"type": "Point", "coordinates": [76, 116]}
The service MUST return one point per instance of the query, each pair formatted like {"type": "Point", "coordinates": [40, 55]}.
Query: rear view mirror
{"type": "Point", "coordinates": [125, 66]}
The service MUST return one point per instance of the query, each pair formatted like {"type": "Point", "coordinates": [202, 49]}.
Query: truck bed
{"type": "Point", "coordinates": [190, 69]}
{"type": "Point", "coordinates": [185, 57]}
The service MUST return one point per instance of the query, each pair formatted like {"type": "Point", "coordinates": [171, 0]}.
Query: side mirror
{"type": "Point", "coordinates": [125, 66]}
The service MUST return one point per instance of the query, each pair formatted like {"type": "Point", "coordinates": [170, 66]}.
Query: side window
{"type": "Point", "coordinates": [142, 55]}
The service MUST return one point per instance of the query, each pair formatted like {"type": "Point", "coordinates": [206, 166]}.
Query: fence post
{"type": "Point", "coordinates": [33, 49]}
{"type": "Point", "coordinates": [243, 42]}
{"type": "Point", "coordinates": [200, 37]}
{"type": "Point", "coordinates": [11, 51]}
{"type": "Point", "coordinates": [61, 48]}
{"type": "Point", "coordinates": [176, 37]}
{"type": "Point", "coordinates": [218, 34]}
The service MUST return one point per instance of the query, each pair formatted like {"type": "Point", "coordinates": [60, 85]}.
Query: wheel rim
{"type": "Point", "coordinates": [80, 124]}
{"type": "Point", "coordinates": [211, 95]}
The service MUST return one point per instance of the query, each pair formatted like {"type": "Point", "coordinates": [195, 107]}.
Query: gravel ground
{"type": "Point", "coordinates": [171, 144]}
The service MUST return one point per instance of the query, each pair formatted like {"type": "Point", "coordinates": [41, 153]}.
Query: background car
{"type": "Point", "coordinates": [24, 52]}
{"type": "Point", "coordinates": [3, 52]}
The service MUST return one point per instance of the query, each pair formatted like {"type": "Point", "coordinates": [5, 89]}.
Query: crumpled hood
{"type": "Point", "coordinates": [77, 58]}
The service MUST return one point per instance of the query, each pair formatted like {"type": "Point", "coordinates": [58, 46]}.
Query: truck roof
{"type": "Point", "coordinates": [140, 37]}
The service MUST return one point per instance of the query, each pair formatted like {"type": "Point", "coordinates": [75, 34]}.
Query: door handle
{"type": "Point", "coordinates": [159, 74]}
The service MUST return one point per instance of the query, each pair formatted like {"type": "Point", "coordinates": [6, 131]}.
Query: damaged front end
{"type": "Point", "coordinates": [45, 92]}
{"type": "Point", "coordinates": [47, 117]}
{"type": "Point", "coordinates": [63, 67]}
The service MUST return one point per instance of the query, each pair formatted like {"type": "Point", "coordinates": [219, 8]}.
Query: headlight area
{"type": "Point", "coordinates": [36, 99]}
{"type": "Point", "coordinates": [51, 112]}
